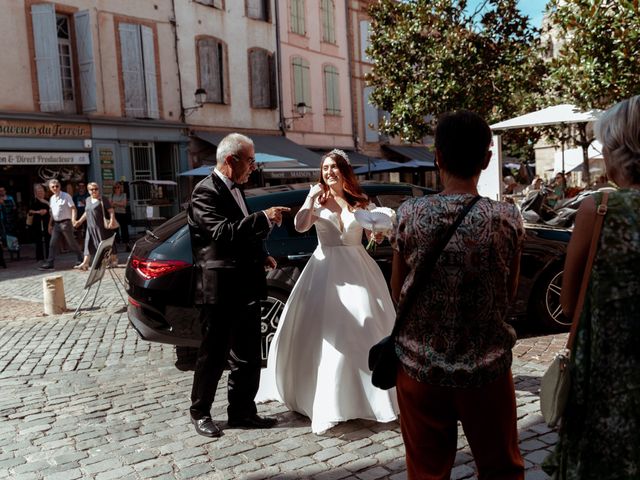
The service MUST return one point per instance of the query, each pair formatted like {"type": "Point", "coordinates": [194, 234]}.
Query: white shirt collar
{"type": "Point", "coordinates": [227, 181]}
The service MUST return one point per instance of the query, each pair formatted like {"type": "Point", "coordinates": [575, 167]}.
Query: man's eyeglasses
{"type": "Point", "coordinates": [54, 186]}
{"type": "Point", "coordinates": [251, 160]}
{"type": "Point", "coordinates": [94, 189]}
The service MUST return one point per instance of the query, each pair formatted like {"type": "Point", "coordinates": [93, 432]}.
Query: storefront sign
{"type": "Point", "coordinates": [44, 158]}
{"type": "Point", "coordinates": [105, 156]}
{"type": "Point", "coordinates": [25, 128]}
{"type": "Point", "coordinates": [291, 174]}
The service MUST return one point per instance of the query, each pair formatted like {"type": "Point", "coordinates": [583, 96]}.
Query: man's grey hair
{"type": "Point", "coordinates": [232, 144]}
{"type": "Point", "coordinates": [54, 181]}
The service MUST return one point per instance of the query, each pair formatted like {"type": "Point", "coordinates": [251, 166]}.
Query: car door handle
{"type": "Point", "coordinates": [304, 256]}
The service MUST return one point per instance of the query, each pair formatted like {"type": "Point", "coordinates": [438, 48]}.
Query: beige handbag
{"type": "Point", "coordinates": [29, 221]}
{"type": "Point", "coordinates": [556, 381]}
{"type": "Point", "coordinates": [107, 224]}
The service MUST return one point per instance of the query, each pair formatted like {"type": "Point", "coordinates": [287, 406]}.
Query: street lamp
{"type": "Point", "coordinates": [301, 111]}
{"type": "Point", "coordinates": [200, 96]}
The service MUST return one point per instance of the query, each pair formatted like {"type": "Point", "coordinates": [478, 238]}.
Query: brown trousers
{"type": "Point", "coordinates": [428, 419]}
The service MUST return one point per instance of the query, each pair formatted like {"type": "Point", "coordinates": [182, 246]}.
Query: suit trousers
{"type": "Point", "coordinates": [428, 420]}
{"type": "Point", "coordinates": [230, 334]}
{"type": "Point", "coordinates": [63, 229]}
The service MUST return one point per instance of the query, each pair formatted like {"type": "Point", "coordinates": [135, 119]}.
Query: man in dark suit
{"type": "Point", "coordinates": [230, 261]}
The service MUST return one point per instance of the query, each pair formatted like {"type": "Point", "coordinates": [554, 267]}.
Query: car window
{"type": "Point", "coordinates": [393, 200]}
{"type": "Point", "coordinates": [287, 229]}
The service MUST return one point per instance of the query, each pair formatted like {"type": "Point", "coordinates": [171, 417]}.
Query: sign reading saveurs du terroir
{"type": "Point", "coordinates": [44, 158]}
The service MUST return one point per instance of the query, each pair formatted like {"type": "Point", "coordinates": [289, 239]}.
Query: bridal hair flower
{"type": "Point", "coordinates": [340, 153]}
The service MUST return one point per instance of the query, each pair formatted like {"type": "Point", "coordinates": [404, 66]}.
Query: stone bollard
{"type": "Point", "coordinates": [54, 301]}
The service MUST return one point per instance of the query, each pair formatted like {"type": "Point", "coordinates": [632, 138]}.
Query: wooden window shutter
{"type": "Point", "coordinates": [298, 88]}
{"type": "Point", "coordinates": [328, 21]}
{"type": "Point", "coordinates": [209, 52]}
{"type": "Point", "coordinates": [45, 36]}
{"type": "Point", "coordinates": [132, 70]}
{"type": "Point", "coordinates": [258, 9]}
{"type": "Point", "coordinates": [365, 26]}
{"type": "Point", "coordinates": [150, 77]}
{"type": "Point", "coordinates": [332, 90]}
{"type": "Point", "coordinates": [297, 17]}
{"type": "Point", "coordinates": [260, 78]}
{"type": "Point", "coordinates": [370, 117]}
{"type": "Point", "coordinates": [86, 65]}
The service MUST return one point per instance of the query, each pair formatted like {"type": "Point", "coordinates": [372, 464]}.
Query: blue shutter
{"type": "Point", "coordinates": [86, 66]}
{"type": "Point", "coordinates": [45, 36]}
{"type": "Point", "coordinates": [150, 78]}
{"type": "Point", "coordinates": [370, 117]}
{"type": "Point", "coordinates": [132, 73]}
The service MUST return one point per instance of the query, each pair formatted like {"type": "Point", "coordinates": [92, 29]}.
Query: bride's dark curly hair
{"type": "Point", "coordinates": [353, 193]}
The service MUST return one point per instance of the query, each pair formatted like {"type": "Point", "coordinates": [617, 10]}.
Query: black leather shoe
{"type": "Point", "coordinates": [252, 421]}
{"type": "Point", "coordinates": [205, 426]}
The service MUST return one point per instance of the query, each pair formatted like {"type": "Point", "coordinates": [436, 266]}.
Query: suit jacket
{"type": "Point", "coordinates": [228, 249]}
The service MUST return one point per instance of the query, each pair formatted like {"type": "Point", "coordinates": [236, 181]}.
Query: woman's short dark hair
{"type": "Point", "coordinates": [463, 139]}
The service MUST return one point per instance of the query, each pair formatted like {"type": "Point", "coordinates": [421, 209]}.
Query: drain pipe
{"type": "Point", "coordinates": [352, 73]}
{"type": "Point", "coordinates": [174, 22]}
{"type": "Point", "coordinates": [283, 127]}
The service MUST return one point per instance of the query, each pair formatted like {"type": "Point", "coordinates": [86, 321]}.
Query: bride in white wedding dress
{"type": "Point", "coordinates": [339, 307]}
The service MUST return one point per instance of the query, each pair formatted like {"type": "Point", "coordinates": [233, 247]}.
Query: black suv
{"type": "Point", "coordinates": [159, 271]}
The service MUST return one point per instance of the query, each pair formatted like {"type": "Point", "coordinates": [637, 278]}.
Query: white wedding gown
{"type": "Point", "coordinates": [339, 307]}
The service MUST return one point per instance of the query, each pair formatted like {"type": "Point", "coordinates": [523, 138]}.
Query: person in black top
{"type": "Point", "coordinates": [39, 210]}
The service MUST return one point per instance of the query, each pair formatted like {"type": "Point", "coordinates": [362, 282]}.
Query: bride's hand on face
{"type": "Point", "coordinates": [315, 190]}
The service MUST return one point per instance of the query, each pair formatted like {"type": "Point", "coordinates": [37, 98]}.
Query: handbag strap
{"type": "Point", "coordinates": [597, 228]}
{"type": "Point", "coordinates": [104, 211]}
{"type": "Point", "coordinates": [428, 263]}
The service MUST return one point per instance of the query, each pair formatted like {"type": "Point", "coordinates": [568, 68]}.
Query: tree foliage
{"type": "Point", "coordinates": [598, 62]}
{"type": "Point", "coordinates": [599, 59]}
{"type": "Point", "coordinates": [432, 56]}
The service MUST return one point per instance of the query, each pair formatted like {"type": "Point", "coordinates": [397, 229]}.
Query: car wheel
{"type": "Point", "coordinates": [270, 311]}
{"type": "Point", "coordinates": [546, 311]}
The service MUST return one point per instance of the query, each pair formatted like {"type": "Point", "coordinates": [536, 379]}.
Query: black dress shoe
{"type": "Point", "coordinates": [252, 421]}
{"type": "Point", "coordinates": [205, 426]}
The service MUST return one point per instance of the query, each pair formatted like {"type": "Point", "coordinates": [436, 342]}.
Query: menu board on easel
{"type": "Point", "coordinates": [107, 169]}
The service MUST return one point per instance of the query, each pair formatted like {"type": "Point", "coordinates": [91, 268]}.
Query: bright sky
{"type": "Point", "coordinates": [534, 9]}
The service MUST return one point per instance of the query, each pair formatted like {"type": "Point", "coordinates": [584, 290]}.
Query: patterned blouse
{"type": "Point", "coordinates": [455, 334]}
{"type": "Point", "coordinates": [600, 434]}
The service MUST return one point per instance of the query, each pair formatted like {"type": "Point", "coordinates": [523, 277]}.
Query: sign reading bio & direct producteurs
{"type": "Point", "coordinates": [44, 158]}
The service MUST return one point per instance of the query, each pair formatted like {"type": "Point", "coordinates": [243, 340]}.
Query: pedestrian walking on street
{"type": "Point", "coordinates": [97, 212]}
{"type": "Point", "coordinates": [600, 429]}
{"type": "Point", "coordinates": [63, 215]}
{"type": "Point", "coordinates": [229, 261]}
{"type": "Point", "coordinates": [339, 307]}
{"type": "Point", "coordinates": [39, 223]}
{"type": "Point", "coordinates": [454, 345]}
{"type": "Point", "coordinates": [119, 203]}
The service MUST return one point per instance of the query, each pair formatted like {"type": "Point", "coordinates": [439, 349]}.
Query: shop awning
{"type": "Point", "coordinates": [270, 144]}
{"type": "Point", "coordinates": [272, 166]}
{"type": "Point", "coordinates": [378, 166]}
{"type": "Point", "coordinates": [424, 158]}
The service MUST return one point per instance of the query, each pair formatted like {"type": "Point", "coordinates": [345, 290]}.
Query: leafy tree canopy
{"type": "Point", "coordinates": [432, 56]}
{"type": "Point", "coordinates": [599, 59]}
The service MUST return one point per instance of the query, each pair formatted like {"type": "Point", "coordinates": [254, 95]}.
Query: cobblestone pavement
{"type": "Point", "coordinates": [84, 398]}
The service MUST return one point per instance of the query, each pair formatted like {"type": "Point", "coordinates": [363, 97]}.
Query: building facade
{"type": "Point", "coordinates": [91, 94]}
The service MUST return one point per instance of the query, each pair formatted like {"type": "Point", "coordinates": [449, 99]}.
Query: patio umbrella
{"type": "Point", "coordinates": [557, 115]}
{"type": "Point", "coordinates": [205, 170]}
{"type": "Point", "coordinates": [202, 171]}
{"type": "Point", "coordinates": [378, 166]}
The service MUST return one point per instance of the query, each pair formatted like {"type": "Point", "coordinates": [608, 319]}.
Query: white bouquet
{"type": "Point", "coordinates": [377, 220]}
